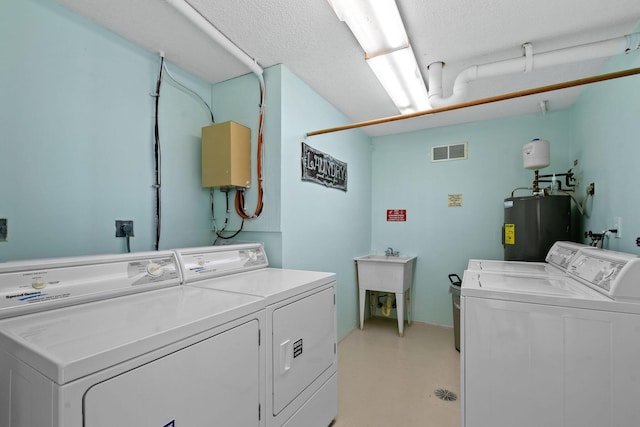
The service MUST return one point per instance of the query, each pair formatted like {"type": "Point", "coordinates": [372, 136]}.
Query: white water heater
{"type": "Point", "coordinates": [536, 154]}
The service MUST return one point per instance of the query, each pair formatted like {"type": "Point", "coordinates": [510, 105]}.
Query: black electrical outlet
{"type": "Point", "coordinates": [3, 229]}
{"type": "Point", "coordinates": [124, 228]}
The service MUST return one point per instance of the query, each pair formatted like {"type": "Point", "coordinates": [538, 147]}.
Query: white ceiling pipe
{"type": "Point", "coordinates": [214, 34]}
{"type": "Point", "coordinates": [523, 64]}
{"type": "Point", "coordinates": [206, 27]}
{"type": "Point", "coordinates": [435, 81]}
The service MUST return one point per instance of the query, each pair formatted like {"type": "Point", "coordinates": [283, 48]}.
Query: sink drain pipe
{"type": "Point", "coordinates": [524, 64]}
{"type": "Point", "coordinates": [388, 305]}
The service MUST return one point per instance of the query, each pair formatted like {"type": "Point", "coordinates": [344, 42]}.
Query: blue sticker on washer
{"type": "Point", "coordinates": [38, 295]}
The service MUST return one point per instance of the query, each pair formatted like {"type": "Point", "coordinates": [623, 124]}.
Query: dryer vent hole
{"type": "Point", "coordinates": [446, 395]}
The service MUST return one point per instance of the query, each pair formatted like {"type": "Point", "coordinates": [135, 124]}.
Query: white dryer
{"type": "Point", "coordinates": [557, 260]}
{"type": "Point", "coordinates": [551, 350]}
{"type": "Point", "coordinates": [116, 341]}
{"type": "Point", "coordinates": [301, 333]}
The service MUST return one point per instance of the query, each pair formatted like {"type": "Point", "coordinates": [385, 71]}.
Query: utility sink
{"type": "Point", "coordinates": [381, 273]}
{"type": "Point", "coordinates": [385, 273]}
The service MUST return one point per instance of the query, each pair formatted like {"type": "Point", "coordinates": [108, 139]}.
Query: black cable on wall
{"type": "Point", "coordinates": [157, 157]}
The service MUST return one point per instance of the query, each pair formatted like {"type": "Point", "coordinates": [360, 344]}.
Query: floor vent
{"type": "Point", "coordinates": [446, 395]}
{"type": "Point", "coordinates": [443, 153]}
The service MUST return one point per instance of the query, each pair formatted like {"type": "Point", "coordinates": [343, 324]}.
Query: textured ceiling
{"type": "Point", "coordinates": [307, 37]}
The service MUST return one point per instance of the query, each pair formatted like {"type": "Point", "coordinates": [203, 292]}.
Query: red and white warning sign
{"type": "Point", "coordinates": [397, 215]}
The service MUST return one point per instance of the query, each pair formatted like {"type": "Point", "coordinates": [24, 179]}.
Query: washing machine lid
{"type": "Point", "coordinates": [552, 290]}
{"type": "Point", "coordinates": [68, 343]}
{"type": "Point", "coordinates": [272, 284]}
{"type": "Point", "coordinates": [557, 262]}
{"type": "Point", "coordinates": [515, 267]}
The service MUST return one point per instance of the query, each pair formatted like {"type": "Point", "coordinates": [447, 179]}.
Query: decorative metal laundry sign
{"type": "Point", "coordinates": [323, 169]}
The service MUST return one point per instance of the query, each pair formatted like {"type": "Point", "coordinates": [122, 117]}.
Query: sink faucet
{"type": "Point", "coordinates": [391, 252]}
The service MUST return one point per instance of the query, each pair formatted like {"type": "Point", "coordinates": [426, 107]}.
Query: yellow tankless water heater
{"type": "Point", "coordinates": [226, 155]}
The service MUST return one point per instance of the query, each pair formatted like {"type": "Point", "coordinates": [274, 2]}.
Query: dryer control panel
{"type": "Point", "coordinates": [29, 286]}
{"type": "Point", "coordinates": [615, 274]}
{"type": "Point", "coordinates": [213, 261]}
{"type": "Point", "coordinates": [562, 253]}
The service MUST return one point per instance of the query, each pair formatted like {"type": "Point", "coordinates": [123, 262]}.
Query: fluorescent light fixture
{"type": "Point", "coordinates": [376, 24]}
{"type": "Point", "coordinates": [378, 27]}
{"type": "Point", "coordinates": [399, 74]}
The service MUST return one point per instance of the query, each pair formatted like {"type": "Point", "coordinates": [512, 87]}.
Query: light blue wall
{"type": "Point", "coordinates": [600, 131]}
{"type": "Point", "coordinates": [607, 142]}
{"type": "Point", "coordinates": [323, 228]}
{"type": "Point", "coordinates": [304, 225]}
{"type": "Point", "coordinates": [444, 238]}
{"type": "Point", "coordinates": [77, 153]}
{"type": "Point", "coordinates": [237, 100]}
{"type": "Point", "coordinates": [77, 139]}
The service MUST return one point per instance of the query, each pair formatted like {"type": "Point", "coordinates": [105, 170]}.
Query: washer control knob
{"type": "Point", "coordinates": [608, 272]}
{"type": "Point", "coordinates": [38, 284]}
{"type": "Point", "coordinates": [155, 269]}
{"type": "Point", "coordinates": [201, 263]}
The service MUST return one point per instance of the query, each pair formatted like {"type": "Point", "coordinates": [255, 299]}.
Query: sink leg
{"type": "Point", "coordinates": [407, 296]}
{"type": "Point", "coordinates": [373, 302]}
{"type": "Point", "coordinates": [363, 297]}
{"type": "Point", "coordinates": [400, 312]}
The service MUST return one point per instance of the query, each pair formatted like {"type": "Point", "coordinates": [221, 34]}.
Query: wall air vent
{"type": "Point", "coordinates": [443, 153]}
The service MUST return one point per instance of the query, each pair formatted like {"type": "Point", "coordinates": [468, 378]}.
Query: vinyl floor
{"type": "Point", "coordinates": [388, 380]}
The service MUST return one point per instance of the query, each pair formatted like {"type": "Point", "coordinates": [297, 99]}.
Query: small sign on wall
{"type": "Point", "coordinates": [455, 200]}
{"type": "Point", "coordinates": [397, 215]}
{"type": "Point", "coordinates": [323, 169]}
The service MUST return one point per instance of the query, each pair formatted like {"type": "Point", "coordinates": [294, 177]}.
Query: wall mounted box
{"type": "Point", "coordinates": [226, 155]}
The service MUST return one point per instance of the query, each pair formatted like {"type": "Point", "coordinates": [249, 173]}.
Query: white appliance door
{"type": "Point", "coordinates": [304, 340]}
{"type": "Point", "coordinates": [532, 365]}
{"type": "Point", "coordinates": [213, 382]}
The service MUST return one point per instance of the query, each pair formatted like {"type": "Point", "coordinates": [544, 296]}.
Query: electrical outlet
{"type": "Point", "coordinates": [617, 225]}
{"type": "Point", "coordinates": [124, 228]}
{"type": "Point", "coordinates": [3, 229]}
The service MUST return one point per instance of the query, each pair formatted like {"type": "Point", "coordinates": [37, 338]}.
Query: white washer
{"type": "Point", "coordinates": [301, 334]}
{"type": "Point", "coordinates": [557, 260]}
{"type": "Point", "coordinates": [116, 341]}
{"type": "Point", "coordinates": [550, 350]}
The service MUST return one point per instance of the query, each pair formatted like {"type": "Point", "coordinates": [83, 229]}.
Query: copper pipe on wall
{"type": "Point", "coordinates": [489, 100]}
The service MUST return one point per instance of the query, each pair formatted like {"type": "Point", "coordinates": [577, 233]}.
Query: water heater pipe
{"type": "Point", "coordinates": [525, 63]}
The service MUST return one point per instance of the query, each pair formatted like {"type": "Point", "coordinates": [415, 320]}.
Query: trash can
{"type": "Point", "coordinates": [454, 290]}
